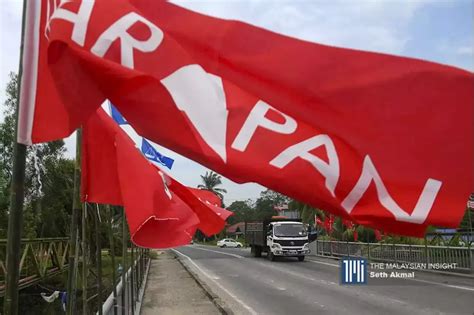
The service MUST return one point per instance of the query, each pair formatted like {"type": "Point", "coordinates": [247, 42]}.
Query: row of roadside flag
{"type": "Point", "coordinates": [327, 224]}
{"type": "Point", "coordinates": [373, 138]}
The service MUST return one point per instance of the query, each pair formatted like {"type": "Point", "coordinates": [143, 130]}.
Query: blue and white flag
{"type": "Point", "coordinates": [119, 119]}
{"type": "Point", "coordinates": [153, 155]}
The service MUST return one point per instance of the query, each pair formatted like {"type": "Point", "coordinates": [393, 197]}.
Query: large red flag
{"type": "Point", "coordinates": [377, 139]}
{"type": "Point", "coordinates": [160, 211]}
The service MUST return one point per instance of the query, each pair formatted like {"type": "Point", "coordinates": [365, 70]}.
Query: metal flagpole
{"type": "Point", "coordinates": [76, 207]}
{"type": "Point", "coordinates": [17, 196]}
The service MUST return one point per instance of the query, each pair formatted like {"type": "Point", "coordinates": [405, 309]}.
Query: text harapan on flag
{"type": "Point", "coordinates": [374, 138]}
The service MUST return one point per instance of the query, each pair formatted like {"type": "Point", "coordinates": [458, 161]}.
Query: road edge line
{"type": "Point", "coordinates": [218, 302]}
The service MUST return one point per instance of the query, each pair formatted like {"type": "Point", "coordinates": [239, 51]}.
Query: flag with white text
{"type": "Point", "coordinates": [373, 138]}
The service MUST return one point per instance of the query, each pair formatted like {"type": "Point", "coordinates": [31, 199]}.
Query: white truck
{"type": "Point", "coordinates": [277, 237]}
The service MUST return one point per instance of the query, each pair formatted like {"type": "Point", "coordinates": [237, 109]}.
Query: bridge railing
{"type": "Point", "coordinates": [130, 288]}
{"type": "Point", "coordinates": [463, 257]}
{"type": "Point", "coordinates": [40, 258]}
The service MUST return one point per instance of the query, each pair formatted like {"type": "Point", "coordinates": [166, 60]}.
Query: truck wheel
{"type": "Point", "coordinates": [270, 256]}
{"type": "Point", "coordinates": [300, 258]}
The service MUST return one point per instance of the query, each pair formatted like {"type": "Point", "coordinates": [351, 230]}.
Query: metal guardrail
{"type": "Point", "coordinates": [463, 257]}
{"type": "Point", "coordinates": [130, 288]}
{"type": "Point", "coordinates": [40, 258]}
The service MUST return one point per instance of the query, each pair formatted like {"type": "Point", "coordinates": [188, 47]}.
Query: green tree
{"type": "Point", "coordinates": [243, 211]}
{"type": "Point", "coordinates": [266, 203]}
{"type": "Point", "coordinates": [56, 201]}
{"type": "Point", "coordinates": [467, 222]}
{"type": "Point", "coordinates": [210, 181]}
{"type": "Point", "coordinates": [41, 160]}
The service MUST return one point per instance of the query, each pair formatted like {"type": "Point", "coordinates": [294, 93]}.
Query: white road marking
{"type": "Point", "coordinates": [444, 284]}
{"type": "Point", "coordinates": [322, 263]}
{"type": "Point", "coordinates": [248, 308]}
{"type": "Point", "coordinates": [216, 251]}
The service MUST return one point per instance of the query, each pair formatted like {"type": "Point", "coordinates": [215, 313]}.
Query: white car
{"type": "Point", "coordinates": [228, 242]}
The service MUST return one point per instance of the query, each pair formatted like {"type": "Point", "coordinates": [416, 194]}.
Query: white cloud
{"type": "Point", "coordinates": [464, 50]}
{"type": "Point", "coordinates": [369, 25]}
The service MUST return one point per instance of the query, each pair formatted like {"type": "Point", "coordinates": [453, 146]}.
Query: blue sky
{"type": "Point", "coordinates": [436, 30]}
{"type": "Point", "coordinates": [444, 33]}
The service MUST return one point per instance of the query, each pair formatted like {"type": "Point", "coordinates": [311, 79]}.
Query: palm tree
{"type": "Point", "coordinates": [210, 182]}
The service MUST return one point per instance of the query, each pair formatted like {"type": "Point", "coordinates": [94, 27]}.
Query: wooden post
{"type": "Point", "coordinates": [132, 278]}
{"type": "Point", "coordinates": [76, 207]}
{"type": "Point", "coordinates": [99, 259]}
{"type": "Point", "coordinates": [17, 197]}
{"type": "Point", "coordinates": [112, 253]}
{"type": "Point", "coordinates": [469, 240]}
{"type": "Point", "coordinates": [84, 260]}
{"type": "Point", "coordinates": [124, 259]}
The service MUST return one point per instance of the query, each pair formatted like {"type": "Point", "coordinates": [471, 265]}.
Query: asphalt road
{"type": "Point", "coordinates": [249, 285]}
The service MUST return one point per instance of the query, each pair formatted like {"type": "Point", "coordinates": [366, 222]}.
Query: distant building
{"type": "Point", "coordinates": [285, 212]}
{"type": "Point", "coordinates": [236, 229]}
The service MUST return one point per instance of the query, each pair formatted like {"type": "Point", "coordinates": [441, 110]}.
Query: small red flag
{"type": "Point", "coordinates": [348, 223]}
{"type": "Point", "coordinates": [329, 223]}
{"type": "Point", "coordinates": [378, 235]}
{"type": "Point", "coordinates": [317, 221]}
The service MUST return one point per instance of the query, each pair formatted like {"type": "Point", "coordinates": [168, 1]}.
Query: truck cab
{"type": "Point", "coordinates": [278, 237]}
{"type": "Point", "coordinates": [287, 238]}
